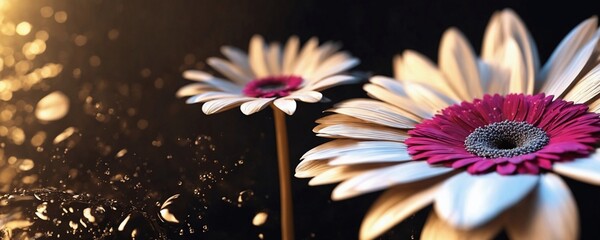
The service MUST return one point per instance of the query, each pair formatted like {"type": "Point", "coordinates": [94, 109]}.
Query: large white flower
{"type": "Point", "coordinates": [483, 139]}
{"type": "Point", "coordinates": [269, 74]}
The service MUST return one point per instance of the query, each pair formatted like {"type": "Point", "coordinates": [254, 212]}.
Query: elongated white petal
{"type": "Point", "coordinates": [255, 105]}
{"type": "Point", "coordinates": [289, 55]}
{"type": "Point", "coordinates": [512, 59]}
{"type": "Point", "coordinates": [412, 66]}
{"type": "Point", "coordinates": [288, 106]}
{"type": "Point", "coordinates": [395, 205]}
{"type": "Point", "coordinates": [341, 173]}
{"type": "Point", "coordinates": [378, 179]}
{"type": "Point", "coordinates": [567, 48]}
{"type": "Point", "coordinates": [365, 131]}
{"type": "Point", "coordinates": [197, 75]}
{"type": "Point", "coordinates": [428, 97]}
{"type": "Point", "coordinates": [550, 213]}
{"type": "Point", "coordinates": [468, 201]}
{"type": "Point", "coordinates": [339, 119]}
{"type": "Point", "coordinates": [411, 107]}
{"type": "Point", "coordinates": [307, 58]}
{"type": "Point", "coordinates": [219, 105]}
{"type": "Point", "coordinates": [308, 169]}
{"type": "Point", "coordinates": [437, 229]}
{"type": "Point", "coordinates": [229, 70]}
{"type": "Point", "coordinates": [207, 96]}
{"type": "Point", "coordinates": [587, 88]}
{"type": "Point", "coordinates": [331, 81]}
{"type": "Point", "coordinates": [212, 81]}
{"type": "Point", "coordinates": [374, 155]}
{"type": "Point", "coordinates": [325, 70]}
{"type": "Point", "coordinates": [348, 147]}
{"type": "Point", "coordinates": [239, 58]}
{"type": "Point", "coordinates": [457, 61]}
{"type": "Point", "coordinates": [258, 60]}
{"type": "Point", "coordinates": [376, 112]}
{"type": "Point", "coordinates": [493, 38]}
{"type": "Point", "coordinates": [274, 59]}
{"type": "Point", "coordinates": [582, 169]}
{"type": "Point", "coordinates": [306, 96]}
{"type": "Point", "coordinates": [193, 89]}
{"type": "Point", "coordinates": [556, 84]}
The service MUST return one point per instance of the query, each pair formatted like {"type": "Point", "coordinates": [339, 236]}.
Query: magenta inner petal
{"type": "Point", "coordinates": [274, 86]}
{"type": "Point", "coordinates": [512, 134]}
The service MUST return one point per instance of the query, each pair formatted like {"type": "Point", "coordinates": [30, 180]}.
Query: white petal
{"type": "Point", "coordinates": [373, 155]}
{"type": "Point", "coordinates": [212, 81]}
{"type": "Point", "coordinates": [587, 88]}
{"type": "Point", "coordinates": [289, 55]}
{"type": "Point", "coordinates": [338, 119]}
{"type": "Point", "coordinates": [239, 58]}
{"type": "Point", "coordinates": [348, 147]}
{"type": "Point", "coordinates": [341, 173]}
{"type": "Point", "coordinates": [331, 81]}
{"type": "Point", "coordinates": [468, 201]}
{"type": "Point", "coordinates": [288, 106]}
{"type": "Point", "coordinates": [219, 105]}
{"type": "Point", "coordinates": [326, 70]}
{"type": "Point", "coordinates": [207, 96]}
{"type": "Point", "coordinates": [582, 169]}
{"type": "Point", "coordinates": [557, 83]}
{"type": "Point", "coordinates": [395, 205]}
{"type": "Point", "coordinates": [437, 229]}
{"type": "Point", "coordinates": [193, 89]}
{"type": "Point", "coordinates": [365, 131]}
{"type": "Point", "coordinates": [551, 213]}
{"type": "Point", "coordinates": [376, 112]}
{"type": "Point", "coordinates": [274, 59]}
{"type": "Point", "coordinates": [197, 75]}
{"type": "Point", "coordinates": [52, 107]}
{"type": "Point", "coordinates": [428, 97]}
{"type": "Point", "coordinates": [457, 61]}
{"type": "Point", "coordinates": [378, 179]}
{"type": "Point", "coordinates": [508, 43]}
{"type": "Point", "coordinates": [229, 70]}
{"type": "Point", "coordinates": [257, 57]}
{"type": "Point", "coordinates": [410, 108]}
{"type": "Point", "coordinates": [307, 58]}
{"type": "Point", "coordinates": [306, 96]}
{"type": "Point", "coordinates": [306, 169]}
{"type": "Point", "coordinates": [568, 47]}
{"type": "Point", "coordinates": [414, 67]}
{"type": "Point", "coordinates": [255, 105]}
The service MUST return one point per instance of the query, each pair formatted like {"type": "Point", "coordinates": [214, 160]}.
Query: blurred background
{"type": "Point", "coordinates": [94, 144]}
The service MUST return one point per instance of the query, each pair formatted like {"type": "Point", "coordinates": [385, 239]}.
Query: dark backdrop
{"type": "Point", "coordinates": [222, 166]}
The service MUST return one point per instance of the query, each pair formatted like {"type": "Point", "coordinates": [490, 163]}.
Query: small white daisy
{"type": "Point", "coordinates": [269, 74]}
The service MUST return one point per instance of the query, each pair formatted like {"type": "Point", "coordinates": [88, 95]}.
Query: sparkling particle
{"type": "Point", "coordinates": [52, 107]}
{"type": "Point", "coordinates": [259, 219]}
{"type": "Point", "coordinates": [60, 16]}
{"type": "Point", "coordinates": [23, 28]}
{"type": "Point", "coordinates": [64, 135]}
{"type": "Point", "coordinates": [80, 40]}
{"type": "Point", "coordinates": [95, 61]}
{"type": "Point", "coordinates": [46, 11]}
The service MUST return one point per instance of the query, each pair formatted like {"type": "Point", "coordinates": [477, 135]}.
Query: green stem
{"type": "Point", "coordinates": [285, 189]}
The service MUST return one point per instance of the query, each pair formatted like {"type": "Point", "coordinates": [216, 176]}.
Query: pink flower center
{"type": "Point", "coordinates": [509, 134]}
{"type": "Point", "coordinates": [273, 86]}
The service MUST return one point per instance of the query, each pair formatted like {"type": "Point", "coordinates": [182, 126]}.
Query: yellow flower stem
{"type": "Point", "coordinates": [285, 189]}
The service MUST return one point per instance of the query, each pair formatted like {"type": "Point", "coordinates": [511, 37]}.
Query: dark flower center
{"type": "Point", "coordinates": [273, 86]}
{"type": "Point", "coordinates": [506, 139]}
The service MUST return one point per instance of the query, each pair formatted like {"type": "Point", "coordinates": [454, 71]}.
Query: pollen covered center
{"type": "Point", "coordinates": [274, 86]}
{"type": "Point", "coordinates": [506, 139]}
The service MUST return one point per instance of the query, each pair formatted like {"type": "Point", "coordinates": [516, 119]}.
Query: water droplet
{"type": "Point", "coordinates": [52, 107]}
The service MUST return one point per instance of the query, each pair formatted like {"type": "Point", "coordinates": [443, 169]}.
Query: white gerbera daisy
{"type": "Point", "coordinates": [269, 74]}
{"type": "Point", "coordinates": [483, 139]}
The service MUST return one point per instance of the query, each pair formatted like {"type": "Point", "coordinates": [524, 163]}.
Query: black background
{"type": "Point", "coordinates": [163, 159]}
